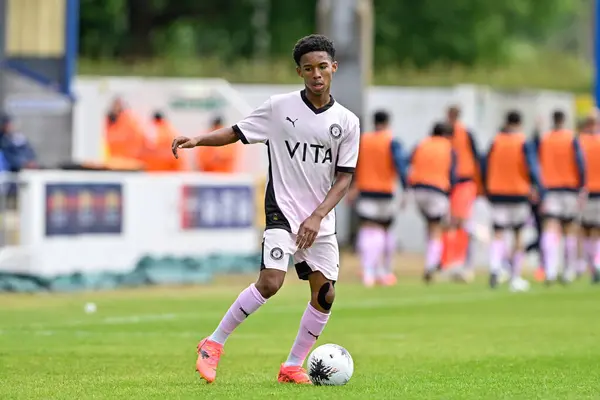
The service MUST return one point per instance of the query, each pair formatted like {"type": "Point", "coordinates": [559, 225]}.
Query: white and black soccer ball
{"type": "Point", "coordinates": [330, 365]}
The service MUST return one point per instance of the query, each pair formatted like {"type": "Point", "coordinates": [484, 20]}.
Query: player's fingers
{"type": "Point", "coordinates": [301, 243]}
{"type": "Point", "coordinates": [310, 239]}
{"type": "Point", "coordinates": [301, 233]}
{"type": "Point", "coordinates": [306, 239]}
{"type": "Point", "coordinates": [175, 145]}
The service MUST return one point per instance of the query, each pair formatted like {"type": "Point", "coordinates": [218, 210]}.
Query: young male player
{"type": "Point", "coordinates": [312, 142]}
{"type": "Point", "coordinates": [462, 198]}
{"type": "Point", "coordinates": [510, 173]}
{"type": "Point", "coordinates": [536, 212]}
{"type": "Point", "coordinates": [563, 176]}
{"type": "Point", "coordinates": [432, 175]}
{"type": "Point", "coordinates": [380, 164]}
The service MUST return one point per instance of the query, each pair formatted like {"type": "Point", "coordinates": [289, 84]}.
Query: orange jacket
{"type": "Point", "coordinates": [222, 159]}
{"type": "Point", "coordinates": [433, 164]}
{"type": "Point", "coordinates": [158, 156]}
{"type": "Point", "coordinates": [561, 161]}
{"type": "Point", "coordinates": [507, 170]}
{"type": "Point", "coordinates": [590, 146]}
{"type": "Point", "coordinates": [466, 153]}
{"type": "Point", "coordinates": [124, 137]}
{"type": "Point", "coordinates": [375, 170]}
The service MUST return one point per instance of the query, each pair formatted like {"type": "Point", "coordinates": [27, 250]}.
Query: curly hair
{"type": "Point", "coordinates": [312, 43]}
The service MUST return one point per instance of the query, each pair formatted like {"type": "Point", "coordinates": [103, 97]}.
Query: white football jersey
{"type": "Point", "coordinates": [306, 147]}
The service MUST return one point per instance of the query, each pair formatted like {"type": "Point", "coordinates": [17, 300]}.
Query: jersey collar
{"type": "Point", "coordinates": [311, 105]}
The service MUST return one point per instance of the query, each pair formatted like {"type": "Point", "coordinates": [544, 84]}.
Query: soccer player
{"type": "Point", "coordinates": [462, 198]}
{"type": "Point", "coordinates": [312, 142]}
{"type": "Point", "coordinates": [564, 177]}
{"type": "Point", "coordinates": [536, 212]}
{"type": "Point", "coordinates": [432, 175]}
{"type": "Point", "coordinates": [589, 140]}
{"type": "Point", "coordinates": [510, 174]}
{"type": "Point", "coordinates": [380, 164]}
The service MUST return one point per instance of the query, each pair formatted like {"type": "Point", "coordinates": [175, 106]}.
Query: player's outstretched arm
{"type": "Point", "coordinates": [220, 137]}
{"type": "Point", "coordinates": [307, 233]}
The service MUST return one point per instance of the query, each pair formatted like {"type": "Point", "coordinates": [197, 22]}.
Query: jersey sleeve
{"type": "Point", "coordinates": [255, 127]}
{"type": "Point", "coordinates": [348, 152]}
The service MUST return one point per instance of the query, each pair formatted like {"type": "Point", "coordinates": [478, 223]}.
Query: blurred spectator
{"type": "Point", "coordinates": [217, 159]}
{"type": "Point", "coordinates": [124, 138]}
{"type": "Point", "coordinates": [16, 149]}
{"type": "Point", "coordinates": [158, 156]}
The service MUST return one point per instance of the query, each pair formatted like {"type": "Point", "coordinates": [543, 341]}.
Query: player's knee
{"type": "Point", "coordinates": [268, 285]}
{"type": "Point", "coordinates": [435, 229]}
{"type": "Point", "coordinates": [325, 296]}
{"type": "Point", "coordinates": [551, 224]}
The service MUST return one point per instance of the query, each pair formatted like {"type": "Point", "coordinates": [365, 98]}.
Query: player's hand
{"type": "Point", "coordinates": [182, 142]}
{"type": "Point", "coordinates": [307, 233]}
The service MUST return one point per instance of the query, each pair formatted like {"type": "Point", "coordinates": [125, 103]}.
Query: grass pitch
{"type": "Point", "coordinates": [445, 341]}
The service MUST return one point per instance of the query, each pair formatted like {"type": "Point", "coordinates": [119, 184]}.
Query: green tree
{"type": "Point", "coordinates": [422, 32]}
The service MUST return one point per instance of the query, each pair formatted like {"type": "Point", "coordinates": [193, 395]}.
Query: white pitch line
{"type": "Point", "coordinates": [380, 303]}
{"type": "Point", "coordinates": [183, 334]}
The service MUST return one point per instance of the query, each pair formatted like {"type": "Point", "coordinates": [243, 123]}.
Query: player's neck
{"type": "Point", "coordinates": [318, 100]}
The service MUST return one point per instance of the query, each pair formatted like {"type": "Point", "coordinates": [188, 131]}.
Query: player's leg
{"type": "Point", "coordinates": [586, 242]}
{"type": "Point", "coordinates": [462, 200]}
{"type": "Point", "coordinates": [540, 273]}
{"type": "Point", "coordinates": [371, 238]}
{"type": "Point", "coordinates": [371, 245]}
{"type": "Point", "coordinates": [276, 250]}
{"type": "Point", "coordinates": [433, 255]}
{"type": "Point", "coordinates": [434, 208]}
{"type": "Point", "coordinates": [595, 253]}
{"type": "Point", "coordinates": [582, 249]}
{"type": "Point", "coordinates": [551, 235]}
{"type": "Point", "coordinates": [592, 219]}
{"type": "Point", "coordinates": [319, 265]}
{"type": "Point", "coordinates": [498, 245]}
{"type": "Point", "coordinates": [519, 216]}
{"type": "Point", "coordinates": [386, 274]}
{"type": "Point", "coordinates": [570, 233]}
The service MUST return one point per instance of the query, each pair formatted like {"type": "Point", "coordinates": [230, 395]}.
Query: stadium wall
{"type": "Point", "coordinates": [95, 222]}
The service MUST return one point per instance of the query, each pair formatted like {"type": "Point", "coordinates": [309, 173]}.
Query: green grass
{"type": "Point", "coordinates": [409, 342]}
{"type": "Point", "coordinates": [547, 71]}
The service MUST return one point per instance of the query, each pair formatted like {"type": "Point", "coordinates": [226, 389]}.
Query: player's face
{"type": "Point", "coordinates": [317, 68]}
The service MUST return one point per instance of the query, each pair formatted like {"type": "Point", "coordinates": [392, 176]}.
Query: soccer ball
{"type": "Point", "coordinates": [330, 365]}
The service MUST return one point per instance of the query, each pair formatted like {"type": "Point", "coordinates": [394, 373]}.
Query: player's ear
{"type": "Point", "coordinates": [334, 66]}
{"type": "Point", "coordinates": [299, 70]}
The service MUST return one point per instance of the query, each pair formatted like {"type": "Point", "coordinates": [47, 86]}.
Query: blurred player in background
{"type": "Point", "coordinates": [564, 178]}
{"type": "Point", "coordinates": [432, 175]}
{"type": "Point", "coordinates": [536, 212]}
{"type": "Point", "coordinates": [217, 159]}
{"type": "Point", "coordinates": [589, 140]}
{"type": "Point", "coordinates": [457, 241]}
{"type": "Point", "coordinates": [313, 144]}
{"type": "Point", "coordinates": [509, 171]}
{"type": "Point", "coordinates": [380, 164]}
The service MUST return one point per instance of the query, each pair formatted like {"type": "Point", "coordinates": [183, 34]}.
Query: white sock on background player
{"type": "Point", "coordinates": [371, 245]}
